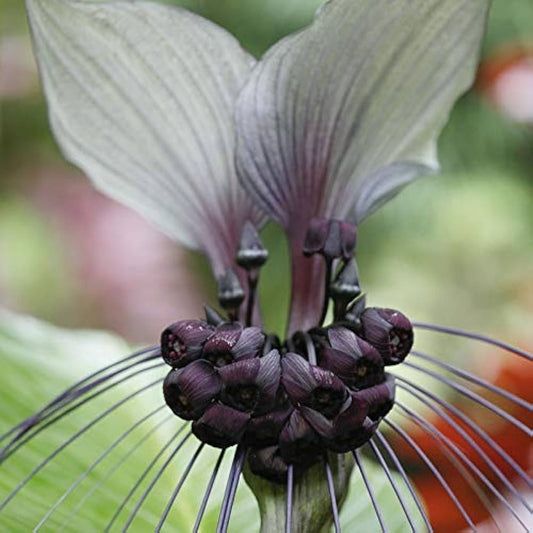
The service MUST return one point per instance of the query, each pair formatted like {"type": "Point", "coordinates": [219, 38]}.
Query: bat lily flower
{"type": "Point", "coordinates": [166, 113]}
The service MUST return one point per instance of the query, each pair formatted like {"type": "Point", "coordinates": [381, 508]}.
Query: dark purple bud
{"type": "Point", "coordinates": [380, 398]}
{"type": "Point", "coordinates": [357, 363]}
{"type": "Point", "coordinates": [230, 292]}
{"type": "Point", "coordinates": [355, 310]}
{"type": "Point", "coordinates": [264, 430]}
{"type": "Point", "coordinates": [346, 287]}
{"type": "Point", "coordinates": [389, 331]}
{"type": "Point", "coordinates": [268, 463]}
{"type": "Point", "coordinates": [251, 253]}
{"type": "Point", "coordinates": [350, 418]}
{"type": "Point", "coordinates": [251, 385]}
{"type": "Point", "coordinates": [221, 426]}
{"type": "Point", "coordinates": [250, 343]}
{"type": "Point", "coordinates": [181, 343]}
{"type": "Point", "coordinates": [212, 316]}
{"type": "Point", "coordinates": [218, 347]}
{"type": "Point", "coordinates": [354, 437]}
{"type": "Point", "coordinates": [190, 390]}
{"type": "Point", "coordinates": [331, 238]}
{"type": "Point", "coordinates": [298, 443]}
{"type": "Point", "coordinates": [312, 386]}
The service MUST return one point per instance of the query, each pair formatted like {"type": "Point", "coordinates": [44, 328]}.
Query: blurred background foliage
{"type": "Point", "coordinates": [455, 250]}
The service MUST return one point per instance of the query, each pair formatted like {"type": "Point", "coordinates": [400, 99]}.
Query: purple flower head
{"type": "Point", "coordinates": [190, 390]}
{"type": "Point", "coordinates": [181, 343]}
{"type": "Point", "coordinates": [389, 331]}
{"type": "Point", "coordinates": [231, 342]}
{"type": "Point", "coordinates": [357, 363]}
{"type": "Point", "coordinates": [312, 386]}
{"type": "Point", "coordinates": [221, 426]}
{"type": "Point", "coordinates": [299, 444]}
{"type": "Point", "coordinates": [251, 385]}
{"type": "Point", "coordinates": [166, 113]}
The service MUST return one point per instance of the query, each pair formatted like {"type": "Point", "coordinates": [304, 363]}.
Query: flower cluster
{"type": "Point", "coordinates": [322, 389]}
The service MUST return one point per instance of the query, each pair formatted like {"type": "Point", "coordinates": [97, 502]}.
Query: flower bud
{"type": "Point", "coordinates": [331, 238]}
{"type": "Point", "coordinates": [346, 287]}
{"type": "Point", "coordinates": [251, 385]}
{"type": "Point", "coordinates": [251, 253]}
{"type": "Point", "coordinates": [230, 342]}
{"type": "Point", "coordinates": [379, 398]}
{"type": "Point", "coordinates": [190, 390]}
{"type": "Point", "coordinates": [221, 426]}
{"type": "Point", "coordinates": [298, 443]}
{"type": "Point", "coordinates": [264, 430]}
{"type": "Point", "coordinates": [181, 343]}
{"type": "Point", "coordinates": [357, 363]}
{"type": "Point", "coordinates": [312, 386]}
{"type": "Point", "coordinates": [355, 310]}
{"type": "Point", "coordinates": [341, 433]}
{"type": "Point", "coordinates": [389, 331]}
{"type": "Point", "coordinates": [268, 463]}
{"type": "Point", "coordinates": [230, 292]}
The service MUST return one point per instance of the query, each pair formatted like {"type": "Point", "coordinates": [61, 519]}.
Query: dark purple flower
{"type": "Point", "coordinates": [190, 390]}
{"type": "Point", "coordinates": [182, 342]}
{"type": "Point", "coordinates": [251, 385]}
{"type": "Point", "coordinates": [231, 342]}
{"type": "Point", "coordinates": [221, 426]}
{"type": "Point", "coordinates": [389, 331]}
{"type": "Point", "coordinates": [357, 363]}
{"type": "Point", "coordinates": [312, 386]}
{"type": "Point", "coordinates": [299, 444]}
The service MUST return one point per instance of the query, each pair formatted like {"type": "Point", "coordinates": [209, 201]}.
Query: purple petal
{"type": "Point", "coordinates": [249, 344]}
{"type": "Point", "coordinates": [221, 426]}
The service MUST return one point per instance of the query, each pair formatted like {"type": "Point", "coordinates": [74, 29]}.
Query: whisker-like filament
{"type": "Point", "coordinates": [290, 489]}
{"type": "Point", "coordinates": [102, 456]}
{"type": "Point", "coordinates": [458, 466]}
{"type": "Point", "coordinates": [370, 491]}
{"type": "Point", "coordinates": [433, 469]}
{"type": "Point", "coordinates": [408, 386]}
{"type": "Point", "coordinates": [208, 491]}
{"type": "Point", "coordinates": [434, 432]}
{"type": "Point", "coordinates": [386, 469]}
{"type": "Point", "coordinates": [332, 496]}
{"type": "Point", "coordinates": [473, 396]}
{"type": "Point", "coordinates": [231, 489]}
{"type": "Point", "coordinates": [225, 499]}
{"type": "Point", "coordinates": [69, 441]}
{"type": "Point", "coordinates": [67, 392]}
{"type": "Point", "coordinates": [14, 444]}
{"type": "Point", "coordinates": [154, 481]}
{"type": "Point", "coordinates": [474, 336]}
{"type": "Point", "coordinates": [474, 427]}
{"type": "Point", "coordinates": [115, 467]}
{"type": "Point", "coordinates": [145, 473]}
{"type": "Point", "coordinates": [474, 379]}
{"type": "Point", "coordinates": [407, 481]}
{"type": "Point", "coordinates": [178, 487]}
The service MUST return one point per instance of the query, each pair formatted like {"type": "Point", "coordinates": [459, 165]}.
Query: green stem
{"type": "Point", "coordinates": [311, 512]}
